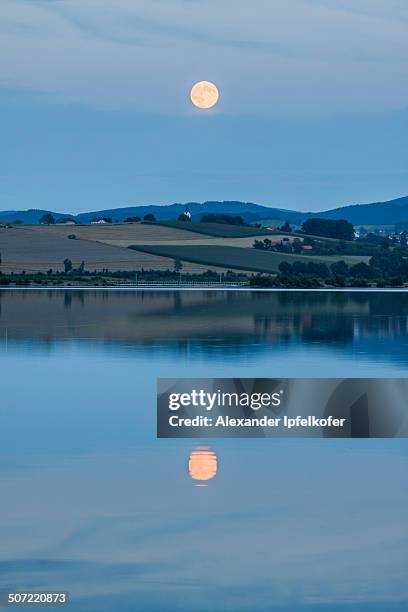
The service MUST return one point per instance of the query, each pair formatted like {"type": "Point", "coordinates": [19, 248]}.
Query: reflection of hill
{"type": "Point", "coordinates": [210, 319]}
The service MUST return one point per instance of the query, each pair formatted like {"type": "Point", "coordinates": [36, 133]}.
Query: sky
{"type": "Point", "coordinates": [95, 109]}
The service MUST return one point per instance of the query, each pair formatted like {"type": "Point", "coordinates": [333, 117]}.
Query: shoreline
{"type": "Point", "coordinates": [206, 288]}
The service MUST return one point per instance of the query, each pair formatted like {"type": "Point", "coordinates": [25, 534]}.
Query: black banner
{"type": "Point", "coordinates": [288, 407]}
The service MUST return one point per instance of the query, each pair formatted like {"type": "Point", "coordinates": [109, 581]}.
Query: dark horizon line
{"type": "Point", "coordinates": [191, 202]}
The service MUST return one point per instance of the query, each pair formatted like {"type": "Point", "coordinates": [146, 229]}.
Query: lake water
{"type": "Point", "coordinates": [93, 504]}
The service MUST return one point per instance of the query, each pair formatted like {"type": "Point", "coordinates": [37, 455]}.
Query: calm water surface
{"type": "Point", "coordinates": [93, 504]}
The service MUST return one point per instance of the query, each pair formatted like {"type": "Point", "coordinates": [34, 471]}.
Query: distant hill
{"type": "Point", "coordinates": [378, 213]}
{"type": "Point", "coordinates": [31, 216]}
{"type": "Point", "coordinates": [248, 210]}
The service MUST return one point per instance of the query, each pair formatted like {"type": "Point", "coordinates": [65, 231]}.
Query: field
{"type": "Point", "coordinates": [125, 234]}
{"type": "Point", "coordinates": [233, 257]}
{"type": "Point", "coordinates": [219, 230]}
{"type": "Point", "coordinates": [111, 233]}
{"type": "Point", "coordinates": [38, 248]}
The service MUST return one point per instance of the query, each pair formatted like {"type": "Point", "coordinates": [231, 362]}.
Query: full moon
{"type": "Point", "coordinates": [204, 94]}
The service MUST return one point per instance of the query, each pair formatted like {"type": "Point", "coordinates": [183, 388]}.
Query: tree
{"type": "Point", "coordinates": [132, 220]}
{"type": "Point", "coordinates": [184, 218]}
{"type": "Point", "coordinates": [285, 268]}
{"type": "Point", "coordinates": [67, 265]}
{"type": "Point", "coordinates": [222, 218]}
{"type": "Point", "coordinates": [318, 269]}
{"type": "Point", "coordinates": [374, 239]}
{"type": "Point", "coordinates": [81, 267]}
{"type": "Point", "coordinates": [310, 268]}
{"type": "Point", "coordinates": [149, 217]}
{"type": "Point", "coordinates": [361, 270]}
{"type": "Point", "coordinates": [297, 246]}
{"type": "Point", "coordinates": [339, 268]}
{"type": "Point", "coordinates": [47, 219]}
{"type": "Point", "coordinates": [178, 266]}
{"type": "Point", "coordinates": [329, 228]}
{"type": "Point", "coordinates": [388, 263]}
{"type": "Point", "coordinates": [286, 227]}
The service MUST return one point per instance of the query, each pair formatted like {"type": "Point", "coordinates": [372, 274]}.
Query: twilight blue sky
{"type": "Point", "coordinates": [95, 110]}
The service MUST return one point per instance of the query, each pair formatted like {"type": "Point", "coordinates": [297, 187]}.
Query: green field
{"type": "Point", "coordinates": [219, 230]}
{"type": "Point", "coordinates": [234, 257]}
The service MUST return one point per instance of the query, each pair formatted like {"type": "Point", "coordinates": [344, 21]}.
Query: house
{"type": "Point", "coordinates": [307, 247]}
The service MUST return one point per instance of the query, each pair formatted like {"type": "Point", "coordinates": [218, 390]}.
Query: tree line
{"type": "Point", "coordinates": [388, 268]}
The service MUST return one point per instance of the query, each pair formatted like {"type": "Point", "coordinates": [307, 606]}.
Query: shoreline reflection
{"type": "Point", "coordinates": [221, 324]}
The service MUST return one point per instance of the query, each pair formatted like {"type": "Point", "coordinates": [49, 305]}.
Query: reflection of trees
{"type": "Point", "coordinates": [219, 320]}
{"type": "Point", "coordinates": [67, 299]}
{"type": "Point", "coordinates": [389, 304]}
{"type": "Point", "coordinates": [291, 298]}
{"type": "Point", "coordinates": [308, 328]}
{"type": "Point", "coordinates": [178, 305]}
{"type": "Point", "coordinates": [329, 330]}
